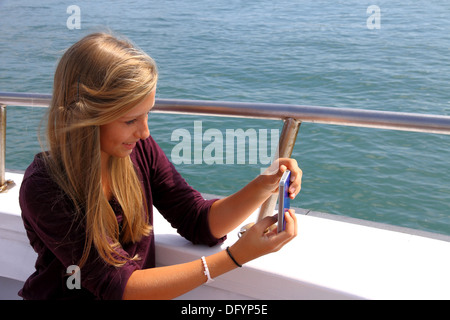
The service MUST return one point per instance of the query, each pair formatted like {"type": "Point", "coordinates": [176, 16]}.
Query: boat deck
{"type": "Point", "coordinates": [331, 258]}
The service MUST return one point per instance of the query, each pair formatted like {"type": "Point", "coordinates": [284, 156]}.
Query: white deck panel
{"type": "Point", "coordinates": [329, 259]}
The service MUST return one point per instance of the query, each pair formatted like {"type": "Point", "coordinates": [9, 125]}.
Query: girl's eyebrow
{"type": "Point", "coordinates": [136, 116]}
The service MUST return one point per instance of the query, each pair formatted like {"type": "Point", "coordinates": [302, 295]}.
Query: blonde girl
{"type": "Point", "coordinates": [88, 199]}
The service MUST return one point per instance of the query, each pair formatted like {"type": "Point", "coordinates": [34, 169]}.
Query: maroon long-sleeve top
{"type": "Point", "coordinates": [58, 238]}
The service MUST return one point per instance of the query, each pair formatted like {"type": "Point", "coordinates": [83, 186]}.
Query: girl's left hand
{"type": "Point", "coordinates": [273, 175]}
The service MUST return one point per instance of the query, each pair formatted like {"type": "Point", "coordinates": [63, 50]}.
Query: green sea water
{"type": "Point", "coordinates": [325, 53]}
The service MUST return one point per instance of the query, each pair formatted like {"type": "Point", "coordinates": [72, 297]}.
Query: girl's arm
{"type": "Point", "coordinates": [226, 214]}
{"type": "Point", "coordinates": [172, 281]}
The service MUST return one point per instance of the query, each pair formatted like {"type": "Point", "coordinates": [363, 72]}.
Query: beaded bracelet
{"type": "Point", "coordinates": [206, 272]}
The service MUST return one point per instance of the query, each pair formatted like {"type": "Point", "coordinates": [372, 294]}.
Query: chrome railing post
{"type": "Point", "coordinates": [2, 144]}
{"type": "Point", "coordinates": [285, 147]}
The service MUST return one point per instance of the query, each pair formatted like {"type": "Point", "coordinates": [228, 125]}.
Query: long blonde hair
{"type": "Point", "coordinates": [98, 80]}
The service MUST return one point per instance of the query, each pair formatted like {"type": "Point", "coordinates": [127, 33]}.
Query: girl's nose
{"type": "Point", "coordinates": [143, 132]}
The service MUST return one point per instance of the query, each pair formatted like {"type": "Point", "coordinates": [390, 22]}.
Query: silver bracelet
{"type": "Point", "coordinates": [206, 272]}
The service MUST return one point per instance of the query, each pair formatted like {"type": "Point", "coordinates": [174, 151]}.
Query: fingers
{"type": "Point", "coordinates": [276, 170]}
{"type": "Point", "coordinates": [279, 240]}
{"type": "Point", "coordinates": [265, 223]}
{"type": "Point", "coordinates": [291, 222]}
{"type": "Point", "coordinates": [296, 175]}
{"type": "Point", "coordinates": [296, 183]}
{"type": "Point", "coordinates": [261, 239]}
{"type": "Point", "coordinates": [291, 225]}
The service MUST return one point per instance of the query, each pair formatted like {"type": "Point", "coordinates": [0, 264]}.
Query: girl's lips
{"type": "Point", "coordinates": [129, 145]}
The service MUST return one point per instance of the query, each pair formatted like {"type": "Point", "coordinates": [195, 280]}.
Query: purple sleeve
{"type": "Point", "coordinates": [58, 238]}
{"type": "Point", "coordinates": [184, 207]}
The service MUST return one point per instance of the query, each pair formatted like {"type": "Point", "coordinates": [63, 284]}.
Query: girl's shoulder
{"type": "Point", "coordinates": [37, 172]}
{"type": "Point", "coordinates": [38, 187]}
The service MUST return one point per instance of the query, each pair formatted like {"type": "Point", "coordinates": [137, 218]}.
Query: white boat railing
{"type": "Point", "coordinates": [292, 115]}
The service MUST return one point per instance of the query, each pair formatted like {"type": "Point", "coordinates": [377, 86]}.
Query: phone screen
{"type": "Point", "coordinates": [284, 202]}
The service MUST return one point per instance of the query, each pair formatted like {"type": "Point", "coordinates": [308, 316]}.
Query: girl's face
{"type": "Point", "coordinates": [118, 138]}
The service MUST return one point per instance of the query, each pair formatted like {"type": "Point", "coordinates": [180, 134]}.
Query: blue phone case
{"type": "Point", "coordinates": [284, 202]}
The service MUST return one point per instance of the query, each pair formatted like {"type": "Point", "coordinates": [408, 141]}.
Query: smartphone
{"type": "Point", "coordinates": [284, 202]}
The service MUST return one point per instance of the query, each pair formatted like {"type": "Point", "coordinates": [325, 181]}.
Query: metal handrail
{"type": "Point", "coordinates": [327, 115]}
{"type": "Point", "coordinates": [292, 115]}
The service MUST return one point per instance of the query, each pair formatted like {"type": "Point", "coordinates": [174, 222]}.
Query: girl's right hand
{"type": "Point", "coordinates": [256, 242]}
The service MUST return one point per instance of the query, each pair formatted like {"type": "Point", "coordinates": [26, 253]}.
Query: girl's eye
{"type": "Point", "coordinates": [130, 122]}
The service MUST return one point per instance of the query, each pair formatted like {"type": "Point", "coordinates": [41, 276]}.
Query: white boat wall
{"type": "Point", "coordinates": [331, 258]}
